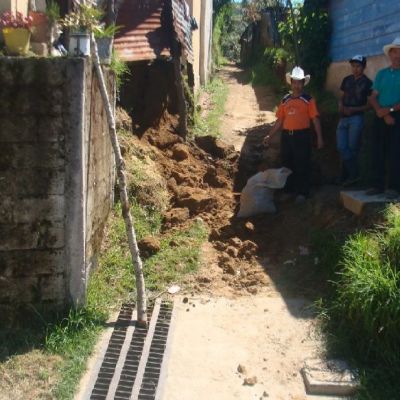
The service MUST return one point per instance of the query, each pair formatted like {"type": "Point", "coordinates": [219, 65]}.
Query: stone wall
{"type": "Point", "coordinates": [56, 180]}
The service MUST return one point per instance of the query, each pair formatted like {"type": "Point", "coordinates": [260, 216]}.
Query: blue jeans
{"type": "Point", "coordinates": [348, 142]}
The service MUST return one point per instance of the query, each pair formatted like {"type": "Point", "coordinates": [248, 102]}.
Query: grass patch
{"type": "Point", "coordinates": [208, 122]}
{"type": "Point", "coordinates": [362, 316]}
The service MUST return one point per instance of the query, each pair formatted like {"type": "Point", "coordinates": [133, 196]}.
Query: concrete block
{"type": "Point", "coordinates": [50, 208]}
{"type": "Point", "coordinates": [356, 201]}
{"type": "Point", "coordinates": [21, 129]}
{"type": "Point", "coordinates": [329, 378]}
{"type": "Point", "coordinates": [41, 235]}
{"type": "Point", "coordinates": [31, 262]}
{"type": "Point", "coordinates": [6, 210]}
{"type": "Point", "coordinates": [33, 155]}
{"type": "Point", "coordinates": [50, 129]}
{"type": "Point", "coordinates": [52, 287]}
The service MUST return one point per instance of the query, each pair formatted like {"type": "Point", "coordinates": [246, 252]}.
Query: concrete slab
{"type": "Point", "coordinates": [329, 378]}
{"type": "Point", "coordinates": [356, 200]}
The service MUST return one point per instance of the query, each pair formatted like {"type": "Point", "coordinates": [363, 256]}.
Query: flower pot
{"type": "Point", "coordinates": [40, 30]}
{"type": "Point", "coordinates": [79, 44]}
{"type": "Point", "coordinates": [104, 48]}
{"type": "Point", "coordinates": [17, 40]}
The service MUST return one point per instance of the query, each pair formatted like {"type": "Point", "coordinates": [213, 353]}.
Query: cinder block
{"type": "Point", "coordinates": [52, 287]}
{"type": "Point", "coordinates": [356, 201]}
{"type": "Point", "coordinates": [329, 378]}
{"type": "Point", "coordinates": [50, 208]}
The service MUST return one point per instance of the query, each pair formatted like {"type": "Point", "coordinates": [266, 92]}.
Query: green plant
{"type": "Point", "coordinates": [52, 11]}
{"type": "Point", "coordinates": [120, 69]}
{"type": "Point", "coordinates": [209, 123]}
{"type": "Point", "coordinates": [85, 18]}
{"type": "Point", "coordinates": [106, 31]}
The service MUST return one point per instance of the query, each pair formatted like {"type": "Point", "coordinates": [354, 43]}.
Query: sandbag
{"type": "Point", "coordinates": [257, 196]}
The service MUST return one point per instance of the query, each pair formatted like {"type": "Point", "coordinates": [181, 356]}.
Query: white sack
{"type": "Point", "coordinates": [257, 196]}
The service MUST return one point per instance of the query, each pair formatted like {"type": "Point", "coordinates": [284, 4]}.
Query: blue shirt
{"type": "Point", "coordinates": [387, 84]}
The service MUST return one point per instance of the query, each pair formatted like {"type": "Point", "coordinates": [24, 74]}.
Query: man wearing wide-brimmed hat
{"type": "Point", "coordinates": [295, 113]}
{"type": "Point", "coordinates": [353, 101]}
{"type": "Point", "coordinates": [385, 100]}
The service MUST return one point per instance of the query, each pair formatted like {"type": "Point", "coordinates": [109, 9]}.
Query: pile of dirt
{"type": "Point", "coordinates": [200, 176]}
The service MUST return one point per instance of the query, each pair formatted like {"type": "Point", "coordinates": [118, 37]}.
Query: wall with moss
{"type": "Point", "coordinates": [56, 179]}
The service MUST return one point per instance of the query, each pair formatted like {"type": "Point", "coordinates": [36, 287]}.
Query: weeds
{"type": "Point", "coordinates": [209, 123]}
{"type": "Point", "coordinates": [362, 318]}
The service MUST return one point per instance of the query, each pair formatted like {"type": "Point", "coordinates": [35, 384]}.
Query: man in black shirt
{"type": "Point", "coordinates": [353, 101]}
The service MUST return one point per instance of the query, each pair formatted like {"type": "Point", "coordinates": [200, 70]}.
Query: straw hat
{"type": "Point", "coordinates": [394, 45]}
{"type": "Point", "coordinates": [298, 75]}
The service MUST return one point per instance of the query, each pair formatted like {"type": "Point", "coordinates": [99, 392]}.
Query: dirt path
{"type": "Point", "coordinates": [249, 313]}
{"type": "Point", "coordinates": [245, 108]}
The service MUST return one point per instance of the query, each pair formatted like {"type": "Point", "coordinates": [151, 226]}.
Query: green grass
{"type": "Point", "coordinates": [361, 318]}
{"type": "Point", "coordinates": [209, 124]}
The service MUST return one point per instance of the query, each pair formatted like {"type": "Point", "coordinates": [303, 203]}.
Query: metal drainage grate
{"type": "Point", "coordinates": [130, 369]}
{"type": "Point", "coordinates": [111, 356]}
{"type": "Point", "coordinates": [156, 353]}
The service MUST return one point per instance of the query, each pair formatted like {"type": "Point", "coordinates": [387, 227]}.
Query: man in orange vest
{"type": "Point", "coordinates": [295, 113]}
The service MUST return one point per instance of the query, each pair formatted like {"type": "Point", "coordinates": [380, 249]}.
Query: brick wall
{"type": "Point", "coordinates": [56, 179]}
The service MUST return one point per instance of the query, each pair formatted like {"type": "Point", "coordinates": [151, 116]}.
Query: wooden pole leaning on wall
{"type": "Point", "coordinates": [141, 305]}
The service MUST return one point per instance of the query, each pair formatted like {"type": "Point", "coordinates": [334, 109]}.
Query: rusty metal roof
{"type": "Point", "coordinates": [148, 29]}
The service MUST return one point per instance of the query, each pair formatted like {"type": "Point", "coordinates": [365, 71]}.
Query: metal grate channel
{"type": "Point", "coordinates": [132, 360]}
{"type": "Point", "coordinates": [111, 356]}
{"type": "Point", "coordinates": [156, 353]}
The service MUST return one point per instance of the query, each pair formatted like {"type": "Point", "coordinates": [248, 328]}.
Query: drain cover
{"type": "Point", "coordinates": [132, 364]}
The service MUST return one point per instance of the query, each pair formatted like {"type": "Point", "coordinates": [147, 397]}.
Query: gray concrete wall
{"type": "Point", "coordinates": [56, 180]}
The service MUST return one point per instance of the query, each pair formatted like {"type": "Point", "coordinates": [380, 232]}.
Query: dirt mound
{"type": "Point", "coordinates": [200, 176]}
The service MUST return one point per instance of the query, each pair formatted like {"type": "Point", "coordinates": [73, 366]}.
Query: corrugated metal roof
{"type": "Point", "coordinates": [148, 27]}
{"type": "Point", "coordinates": [182, 27]}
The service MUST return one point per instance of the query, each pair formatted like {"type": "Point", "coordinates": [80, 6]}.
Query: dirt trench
{"type": "Point", "coordinates": [250, 304]}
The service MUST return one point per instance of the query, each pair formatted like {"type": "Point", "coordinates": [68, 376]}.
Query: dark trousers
{"type": "Point", "coordinates": [296, 155]}
{"type": "Point", "coordinates": [385, 147]}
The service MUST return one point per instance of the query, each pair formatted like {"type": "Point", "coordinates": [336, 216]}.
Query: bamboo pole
{"type": "Point", "coordinates": [120, 164]}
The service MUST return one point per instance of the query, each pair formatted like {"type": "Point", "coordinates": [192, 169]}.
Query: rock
{"type": "Point", "coordinates": [203, 279]}
{"type": "Point", "coordinates": [241, 369]}
{"type": "Point", "coordinates": [230, 269]}
{"type": "Point", "coordinates": [167, 139]}
{"type": "Point", "coordinates": [235, 242]}
{"type": "Point", "coordinates": [185, 300]}
{"type": "Point", "coordinates": [214, 146]}
{"type": "Point", "coordinates": [265, 394]}
{"type": "Point", "coordinates": [249, 226]}
{"type": "Point", "coordinates": [214, 234]}
{"type": "Point", "coordinates": [196, 200]}
{"type": "Point", "coordinates": [213, 178]}
{"type": "Point", "coordinates": [180, 152]}
{"type": "Point", "coordinates": [232, 251]}
{"type": "Point", "coordinates": [248, 249]}
{"type": "Point", "coordinates": [252, 290]}
{"type": "Point", "coordinates": [176, 215]}
{"type": "Point", "coordinates": [220, 246]}
{"type": "Point", "coordinates": [149, 246]}
{"type": "Point", "coordinates": [250, 381]}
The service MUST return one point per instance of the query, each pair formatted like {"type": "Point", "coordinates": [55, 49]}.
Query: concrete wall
{"type": "Point", "coordinates": [56, 180]}
{"type": "Point", "coordinates": [361, 27]}
{"type": "Point", "coordinates": [202, 10]}
{"type": "Point", "coordinates": [14, 5]}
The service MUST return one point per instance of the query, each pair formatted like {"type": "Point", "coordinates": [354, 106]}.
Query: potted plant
{"type": "Point", "coordinates": [16, 32]}
{"type": "Point", "coordinates": [80, 24]}
{"type": "Point", "coordinates": [104, 36]}
{"type": "Point", "coordinates": [39, 23]}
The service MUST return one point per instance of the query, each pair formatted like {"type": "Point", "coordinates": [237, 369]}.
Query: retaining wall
{"type": "Point", "coordinates": [56, 180]}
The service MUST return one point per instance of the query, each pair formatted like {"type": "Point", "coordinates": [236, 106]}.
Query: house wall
{"type": "Point", "coordinates": [361, 27]}
{"type": "Point", "coordinates": [14, 5]}
{"type": "Point", "coordinates": [195, 11]}
{"type": "Point", "coordinates": [56, 180]}
{"type": "Point", "coordinates": [202, 10]}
